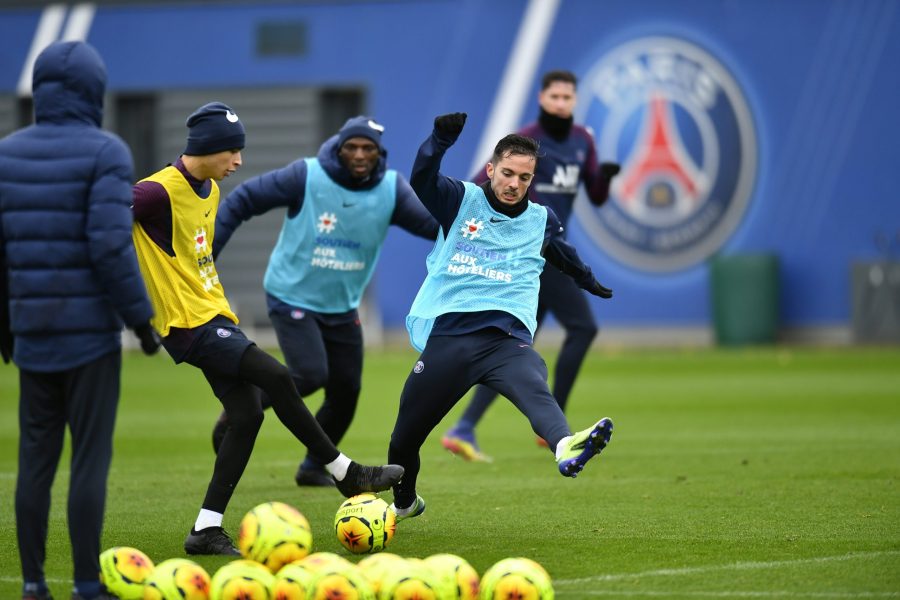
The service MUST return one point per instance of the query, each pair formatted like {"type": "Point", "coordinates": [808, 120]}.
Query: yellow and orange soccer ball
{"type": "Point", "coordinates": [274, 534]}
{"type": "Point", "coordinates": [123, 571]}
{"type": "Point", "coordinates": [242, 579]}
{"type": "Point", "coordinates": [365, 524]}
{"type": "Point", "coordinates": [177, 579]}
{"type": "Point", "coordinates": [516, 578]}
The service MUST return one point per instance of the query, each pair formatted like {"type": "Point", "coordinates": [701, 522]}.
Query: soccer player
{"type": "Point", "coordinates": [73, 280]}
{"type": "Point", "coordinates": [474, 316]}
{"type": "Point", "coordinates": [568, 159]}
{"type": "Point", "coordinates": [175, 213]}
{"type": "Point", "coordinates": [339, 207]}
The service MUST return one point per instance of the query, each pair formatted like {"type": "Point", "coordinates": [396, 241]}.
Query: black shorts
{"type": "Point", "coordinates": [216, 349]}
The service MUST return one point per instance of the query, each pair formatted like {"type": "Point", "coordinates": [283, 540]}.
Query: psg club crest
{"type": "Point", "coordinates": [677, 122]}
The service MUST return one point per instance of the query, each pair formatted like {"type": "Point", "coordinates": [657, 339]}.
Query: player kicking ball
{"type": "Point", "coordinates": [174, 222]}
{"type": "Point", "coordinates": [474, 317]}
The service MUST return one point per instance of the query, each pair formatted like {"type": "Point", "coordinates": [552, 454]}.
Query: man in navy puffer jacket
{"type": "Point", "coordinates": [69, 281]}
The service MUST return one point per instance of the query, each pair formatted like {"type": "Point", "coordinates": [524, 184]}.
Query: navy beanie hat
{"type": "Point", "coordinates": [360, 127]}
{"type": "Point", "coordinates": [213, 128]}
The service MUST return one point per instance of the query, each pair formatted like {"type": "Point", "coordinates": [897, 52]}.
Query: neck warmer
{"type": "Point", "coordinates": [510, 210]}
{"type": "Point", "coordinates": [556, 127]}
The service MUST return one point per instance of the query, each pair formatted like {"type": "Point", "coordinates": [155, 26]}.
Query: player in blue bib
{"type": "Point", "coordinates": [568, 162]}
{"type": "Point", "coordinates": [474, 317]}
{"type": "Point", "coordinates": [338, 208]}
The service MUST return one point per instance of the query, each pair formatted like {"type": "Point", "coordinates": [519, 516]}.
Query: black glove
{"type": "Point", "coordinates": [149, 338]}
{"type": "Point", "coordinates": [597, 289]}
{"type": "Point", "coordinates": [608, 170]}
{"type": "Point", "coordinates": [7, 341]}
{"type": "Point", "coordinates": [450, 126]}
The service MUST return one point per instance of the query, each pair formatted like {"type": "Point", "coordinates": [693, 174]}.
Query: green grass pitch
{"type": "Point", "coordinates": [758, 473]}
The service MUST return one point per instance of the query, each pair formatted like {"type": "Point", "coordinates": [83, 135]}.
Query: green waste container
{"type": "Point", "coordinates": [745, 298]}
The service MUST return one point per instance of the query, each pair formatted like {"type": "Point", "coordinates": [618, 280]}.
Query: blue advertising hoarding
{"type": "Point", "coordinates": [742, 126]}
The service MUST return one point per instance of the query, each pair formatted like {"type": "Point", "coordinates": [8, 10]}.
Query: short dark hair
{"type": "Point", "coordinates": [515, 144]}
{"type": "Point", "coordinates": [551, 77]}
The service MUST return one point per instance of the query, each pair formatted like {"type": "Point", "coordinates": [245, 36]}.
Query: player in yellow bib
{"type": "Point", "coordinates": [185, 288]}
{"type": "Point", "coordinates": [174, 214]}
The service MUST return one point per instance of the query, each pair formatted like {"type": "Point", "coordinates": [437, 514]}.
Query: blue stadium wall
{"type": "Point", "coordinates": [783, 115]}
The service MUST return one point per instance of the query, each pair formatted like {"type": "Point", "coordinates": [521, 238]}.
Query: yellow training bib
{"type": "Point", "coordinates": [184, 289]}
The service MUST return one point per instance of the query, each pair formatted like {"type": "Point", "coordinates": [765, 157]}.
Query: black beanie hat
{"type": "Point", "coordinates": [360, 127]}
{"type": "Point", "coordinates": [213, 128]}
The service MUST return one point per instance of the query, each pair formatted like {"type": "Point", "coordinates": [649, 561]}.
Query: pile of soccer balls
{"type": "Point", "coordinates": [275, 541]}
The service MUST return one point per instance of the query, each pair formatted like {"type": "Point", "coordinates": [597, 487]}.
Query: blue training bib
{"type": "Point", "coordinates": [326, 253]}
{"type": "Point", "coordinates": [488, 261]}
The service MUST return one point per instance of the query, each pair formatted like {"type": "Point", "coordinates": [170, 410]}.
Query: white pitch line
{"type": "Point", "coordinates": [738, 566]}
{"type": "Point", "coordinates": [7, 579]}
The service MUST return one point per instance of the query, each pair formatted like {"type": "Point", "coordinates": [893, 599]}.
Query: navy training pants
{"type": "Point", "coordinates": [323, 351]}
{"type": "Point", "coordinates": [85, 399]}
{"type": "Point", "coordinates": [569, 305]}
{"type": "Point", "coordinates": [237, 370]}
{"type": "Point", "coordinates": [445, 371]}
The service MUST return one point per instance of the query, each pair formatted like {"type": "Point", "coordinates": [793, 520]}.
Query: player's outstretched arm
{"type": "Point", "coordinates": [410, 214]}
{"type": "Point", "coordinates": [284, 187]}
{"type": "Point", "coordinates": [562, 255]}
{"type": "Point", "coordinates": [440, 194]}
{"type": "Point", "coordinates": [597, 177]}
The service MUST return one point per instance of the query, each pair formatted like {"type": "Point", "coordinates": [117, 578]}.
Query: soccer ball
{"type": "Point", "coordinates": [294, 579]}
{"type": "Point", "coordinates": [323, 560]}
{"type": "Point", "coordinates": [376, 566]}
{"type": "Point", "coordinates": [177, 579]}
{"type": "Point", "coordinates": [241, 580]}
{"type": "Point", "coordinates": [344, 581]}
{"type": "Point", "coordinates": [536, 565]}
{"type": "Point", "coordinates": [364, 523]}
{"type": "Point", "coordinates": [123, 571]}
{"type": "Point", "coordinates": [274, 534]}
{"type": "Point", "coordinates": [459, 578]}
{"type": "Point", "coordinates": [412, 580]}
{"type": "Point", "coordinates": [516, 578]}
{"type": "Point", "coordinates": [291, 582]}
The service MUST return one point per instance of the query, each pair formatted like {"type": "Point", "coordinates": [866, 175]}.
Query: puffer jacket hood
{"type": "Point", "coordinates": [68, 84]}
{"type": "Point", "coordinates": [65, 221]}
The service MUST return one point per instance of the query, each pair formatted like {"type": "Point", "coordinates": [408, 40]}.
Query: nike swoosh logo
{"type": "Point", "coordinates": [206, 214]}
{"type": "Point", "coordinates": [493, 220]}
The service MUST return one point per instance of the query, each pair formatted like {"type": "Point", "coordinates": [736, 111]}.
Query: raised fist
{"type": "Point", "coordinates": [450, 125]}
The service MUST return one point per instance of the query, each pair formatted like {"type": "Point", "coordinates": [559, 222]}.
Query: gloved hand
{"type": "Point", "coordinates": [150, 340]}
{"type": "Point", "coordinates": [7, 341]}
{"type": "Point", "coordinates": [598, 289]}
{"type": "Point", "coordinates": [450, 126]}
{"type": "Point", "coordinates": [608, 170]}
